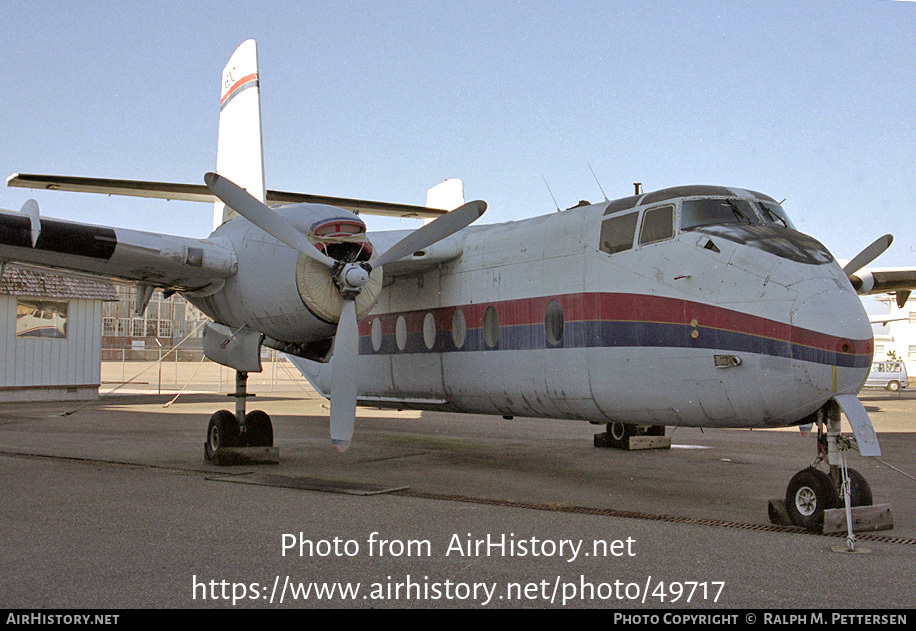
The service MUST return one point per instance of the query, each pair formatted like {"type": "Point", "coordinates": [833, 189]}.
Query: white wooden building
{"type": "Point", "coordinates": [897, 339]}
{"type": "Point", "coordinates": [50, 335]}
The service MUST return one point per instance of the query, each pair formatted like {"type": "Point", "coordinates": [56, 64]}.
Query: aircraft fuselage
{"type": "Point", "coordinates": [623, 312]}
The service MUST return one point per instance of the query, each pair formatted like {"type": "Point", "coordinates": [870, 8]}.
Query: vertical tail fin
{"type": "Point", "coordinates": [447, 195]}
{"type": "Point", "coordinates": [240, 148]}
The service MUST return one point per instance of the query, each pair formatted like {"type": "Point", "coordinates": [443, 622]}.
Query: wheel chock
{"type": "Point", "coordinates": [632, 443]}
{"type": "Point", "coordinates": [864, 519]}
{"type": "Point", "coordinates": [232, 456]}
{"type": "Point", "coordinates": [779, 514]}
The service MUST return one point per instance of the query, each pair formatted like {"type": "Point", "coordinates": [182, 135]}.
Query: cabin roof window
{"type": "Point", "coordinates": [717, 211]}
{"type": "Point", "coordinates": [617, 233]}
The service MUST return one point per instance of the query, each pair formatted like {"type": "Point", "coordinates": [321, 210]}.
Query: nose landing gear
{"type": "Point", "coordinates": [813, 493]}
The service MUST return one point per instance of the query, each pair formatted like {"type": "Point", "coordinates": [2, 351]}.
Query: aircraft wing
{"type": "Point", "coordinates": [440, 252]}
{"type": "Point", "coordinates": [888, 280]}
{"type": "Point", "coordinates": [156, 260]}
{"type": "Point", "coordinates": [200, 193]}
{"type": "Point", "coordinates": [882, 319]}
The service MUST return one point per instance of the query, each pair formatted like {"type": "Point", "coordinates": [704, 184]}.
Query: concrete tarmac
{"type": "Point", "coordinates": [114, 506]}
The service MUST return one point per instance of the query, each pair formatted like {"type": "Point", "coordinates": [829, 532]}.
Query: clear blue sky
{"type": "Point", "coordinates": [806, 100]}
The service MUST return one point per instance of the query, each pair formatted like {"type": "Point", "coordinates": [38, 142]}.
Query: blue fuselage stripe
{"type": "Point", "coordinates": [616, 334]}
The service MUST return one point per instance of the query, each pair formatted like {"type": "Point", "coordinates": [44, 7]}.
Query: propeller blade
{"type": "Point", "coordinates": [252, 209]}
{"type": "Point", "coordinates": [868, 255]}
{"type": "Point", "coordinates": [344, 376]}
{"type": "Point", "coordinates": [436, 230]}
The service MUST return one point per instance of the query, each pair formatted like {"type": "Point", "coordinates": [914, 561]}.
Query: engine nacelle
{"type": "Point", "coordinates": [283, 294]}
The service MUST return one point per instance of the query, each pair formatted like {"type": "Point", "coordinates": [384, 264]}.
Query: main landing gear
{"type": "Point", "coordinates": [225, 434]}
{"type": "Point", "coordinates": [632, 437]}
{"type": "Point", "coordinates": [812, 491]}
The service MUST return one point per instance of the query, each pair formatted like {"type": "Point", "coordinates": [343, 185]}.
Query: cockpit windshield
{"type": "Point", "coordinates": [720, 211]}
{"type": "Point", "coordinates": [774, 213]}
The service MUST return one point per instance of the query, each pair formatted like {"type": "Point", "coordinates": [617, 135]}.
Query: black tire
{"type": "Point", "coordinates": [259, 431]}
{"type": "Point", "coordinates": [859, 490]}
{"type": "Point", "coordinates": [809, 494]}
{"type": "Point", "coordinates": [655, 430]}
{"type": "Point", "coordinates": [618, 433]}
{"type": "Point", "coordinates": [222, 431]}
{"type": "Point", "coordinates": [893, 386]}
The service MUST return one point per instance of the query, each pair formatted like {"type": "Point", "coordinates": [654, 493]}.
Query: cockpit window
{"type": "Point", "coordinates": [707, 212]}
{"type": "Point", "coordinates": [657, 225]}
{"type": "Point", "coordinates": [617, 233]}
{"type": "Point", "coordinates": [774, 213]}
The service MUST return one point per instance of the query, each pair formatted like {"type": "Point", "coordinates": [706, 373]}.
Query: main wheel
{"type": "Point", "coordinates": [809, 494]}
{"type": "Point", "coordinates": [259, 431]}
{"type": "Point", "coordinates": [619, 433]}
{"type": "Point", "coordinates": [222, 431]}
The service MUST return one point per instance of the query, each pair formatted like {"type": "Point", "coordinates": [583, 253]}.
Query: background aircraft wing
{"type": "Point", "coordinates": [157, 260]}
{"type": "Point", "coordinates": [200, 193]}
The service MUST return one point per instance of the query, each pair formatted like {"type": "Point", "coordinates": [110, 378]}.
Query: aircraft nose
{"type": "Point", "coordinates": [832, 339]}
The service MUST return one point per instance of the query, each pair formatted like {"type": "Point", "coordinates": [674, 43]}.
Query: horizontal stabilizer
{"type": "Point", "coordinates": [200, 193]}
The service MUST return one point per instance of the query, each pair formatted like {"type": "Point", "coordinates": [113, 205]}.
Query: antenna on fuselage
{"type": "Point", "coordinates": [551, 193]}
{"type": "Point", "coordinates": [637, 188]}
{"type": "Point", "coordinates": [598, 183]}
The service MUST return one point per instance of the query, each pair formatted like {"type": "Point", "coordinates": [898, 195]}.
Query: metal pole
{"type": "Point", "coordinates": [159, 387]}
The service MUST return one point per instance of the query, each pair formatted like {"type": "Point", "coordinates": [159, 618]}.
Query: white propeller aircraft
{"type": "Point", "coordinates": [695, 306]}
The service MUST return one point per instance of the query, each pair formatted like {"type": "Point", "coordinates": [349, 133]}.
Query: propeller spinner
{"type": "Point", "coordinates": [349, 278]}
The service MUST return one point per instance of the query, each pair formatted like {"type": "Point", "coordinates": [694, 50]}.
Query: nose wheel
{"type": "Point", "coordinates": [812, 491]}
{"type": "Point", "coordinates": [809, 494]}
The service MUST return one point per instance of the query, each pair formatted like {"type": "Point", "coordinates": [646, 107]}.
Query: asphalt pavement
{"type": "Point", "coordinates": [110, 504]}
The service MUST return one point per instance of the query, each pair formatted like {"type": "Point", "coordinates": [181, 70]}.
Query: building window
{"type": "Point", "coordinates": [41, 318]}
{"type": "Point", "coordinates": [911, 352]}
